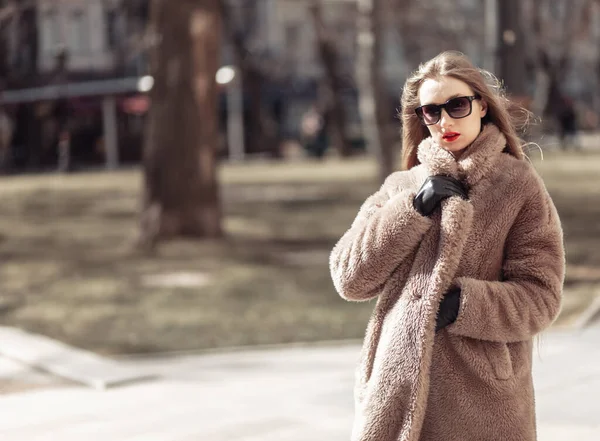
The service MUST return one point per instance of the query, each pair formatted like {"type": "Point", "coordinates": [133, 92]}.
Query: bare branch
{"type": "Point", "coordinates": [575, 17]}
{"type": "Point", "coordinates": [555, 37]}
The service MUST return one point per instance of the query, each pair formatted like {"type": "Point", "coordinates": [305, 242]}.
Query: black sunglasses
{"type": "Point", "coordinates": [459, 107]}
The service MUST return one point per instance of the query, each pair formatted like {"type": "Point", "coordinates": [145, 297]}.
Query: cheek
{"type": "Point", "coordinates": [473, 132]}
{"type": "Point", "coordinates": [474, 125]}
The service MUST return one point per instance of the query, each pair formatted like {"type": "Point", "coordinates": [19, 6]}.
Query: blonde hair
{"type": "Point", "coordinates": [502, 112]}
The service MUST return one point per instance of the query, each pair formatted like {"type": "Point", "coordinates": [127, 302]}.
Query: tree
{"type": "Point", "coordinates": [427, 27]}
{"type": "Point", "coordinates": [553, 27]}
{"type": "Point", "coordinates": [334, 82]}
{"type": "Point", "coordinates": [23, 15]}
{"type": "Point", "coordinates": [511, 48]}
{"type": "Point", "coordinates": [257, 74]}
{"type": "Point", "coordinates": [19, 20]}
{"type": "Point", "coordinates": [371, 88]}
{"type": "Point", "coordinates": [181, 195]}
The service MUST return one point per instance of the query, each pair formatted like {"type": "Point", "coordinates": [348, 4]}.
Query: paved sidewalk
{"type": "Point", "coordinates": [16, 377]}
{"type": "Point", "coordinates": [294, 394]}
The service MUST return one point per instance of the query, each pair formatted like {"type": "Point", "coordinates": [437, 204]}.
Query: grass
{"type": "Point", "coordinates": [69, 269]}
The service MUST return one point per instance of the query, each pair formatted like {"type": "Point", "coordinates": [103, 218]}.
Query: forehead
{"type": "Point", "coordinates": [440, 90]}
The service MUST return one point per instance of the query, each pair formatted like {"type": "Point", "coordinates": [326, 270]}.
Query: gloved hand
{"type": "Point", "coordinates": [434, 190]}
{"type": "Point", "coordinates": [449, 307]}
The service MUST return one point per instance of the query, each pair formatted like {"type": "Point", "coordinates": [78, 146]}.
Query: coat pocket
{"type": "Point", "coordinates": [499, 358]}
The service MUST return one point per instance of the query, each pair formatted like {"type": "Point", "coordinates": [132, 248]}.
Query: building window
{"type": "Point", "coordinates": [51, 31]}
{"type": "Point", "coordinates": [79, 32]}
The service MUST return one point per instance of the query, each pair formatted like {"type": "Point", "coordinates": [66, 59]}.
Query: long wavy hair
{"type": "Point", "coordinates": [506, 114]}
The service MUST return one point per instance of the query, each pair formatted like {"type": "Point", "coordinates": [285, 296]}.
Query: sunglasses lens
{"type": "Point", "coordinates": [431, 114]}
{"type": "Point", "coordinates": [458, 107]}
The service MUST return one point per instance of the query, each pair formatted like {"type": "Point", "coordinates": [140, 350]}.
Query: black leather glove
{"type": "Point", "coordinates": [434, 190]}
{"type": "Point", "coordinates": [449, 307]}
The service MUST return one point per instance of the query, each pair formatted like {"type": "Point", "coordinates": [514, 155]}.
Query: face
{"type": "Point", "coordinates": [453, 134]}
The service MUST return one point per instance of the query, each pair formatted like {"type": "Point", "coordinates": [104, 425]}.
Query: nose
{"type": "Point", "coordinates": [445, 119]}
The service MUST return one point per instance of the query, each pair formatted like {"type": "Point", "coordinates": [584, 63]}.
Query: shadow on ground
{"type": "Point", "coordinates": [70, 271]}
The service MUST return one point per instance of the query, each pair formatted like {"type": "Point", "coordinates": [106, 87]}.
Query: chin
{"type": "Point", "coordinates": [460, 149]}
{"type": "Point", "coordinates": [455, 149]}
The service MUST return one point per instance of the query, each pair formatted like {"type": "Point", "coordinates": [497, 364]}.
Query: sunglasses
{"type": "Point", "coordinates": [459, 107]}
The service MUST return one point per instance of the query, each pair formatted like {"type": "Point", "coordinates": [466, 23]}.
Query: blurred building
{"type": "Point", "coordinates": [414, 31]}
{"type": "Point", "coordinates": [73, 73]}
{"type": "Point", "coordinates": [73, 81]}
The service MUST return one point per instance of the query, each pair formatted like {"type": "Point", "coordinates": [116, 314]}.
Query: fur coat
{"type": "Point", "coordinates": [503, 247]}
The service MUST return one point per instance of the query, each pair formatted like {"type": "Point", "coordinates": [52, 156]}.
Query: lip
{"type": "Point", "coordinates": [450, 136]}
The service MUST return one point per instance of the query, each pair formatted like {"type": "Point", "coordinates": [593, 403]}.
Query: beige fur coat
{"type": "Point", "coordinates": [503, 247]}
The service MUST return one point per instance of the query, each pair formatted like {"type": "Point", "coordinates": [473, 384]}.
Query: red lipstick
{"type": "Point", "coordinates": [450, 136]}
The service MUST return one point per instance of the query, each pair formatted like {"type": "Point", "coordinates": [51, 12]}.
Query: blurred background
{"type": "Point", "coordinates": [175, 173]}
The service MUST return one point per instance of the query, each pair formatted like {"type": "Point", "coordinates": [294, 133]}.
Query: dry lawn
{"type": "Point", "coordinates": [69, 271]}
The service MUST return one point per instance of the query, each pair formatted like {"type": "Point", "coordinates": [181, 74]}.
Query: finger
{"type": "Point", "coordinates": [457, 188]}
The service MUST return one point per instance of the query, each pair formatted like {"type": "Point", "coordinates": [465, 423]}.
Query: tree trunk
{"type": "Point", "coordinates": [550, 60]}
{"type": "Point", "coordinates": [4, 62]}
{"type": "Point", "coordinates": [181, 196]}
{"type": "Point", "coordinates": [334, 84]}
{"type": "Point", "coordinates": [372, 92]}
{"type": "Point", "coordinates": [407, 27]}
{"type": "Point", "coordinates": [261, 127]}
{"type": "Point", "coordinates": [512, 48]}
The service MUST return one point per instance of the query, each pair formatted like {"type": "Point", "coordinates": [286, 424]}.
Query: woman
{"type": "Point", "coordinates": [464, 250]}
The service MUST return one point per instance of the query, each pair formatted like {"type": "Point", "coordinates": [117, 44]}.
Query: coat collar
{"type": "Point", "coordinates": [476, 162]}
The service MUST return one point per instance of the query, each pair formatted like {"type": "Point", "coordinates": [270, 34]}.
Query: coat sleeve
{"type": "Point", "coordinates": [384, 232]}
{"type": "Point", "coordinates": [528, 299]}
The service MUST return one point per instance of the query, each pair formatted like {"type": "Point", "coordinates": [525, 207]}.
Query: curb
{"type": "Point", "coordinates": [248, 348]}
